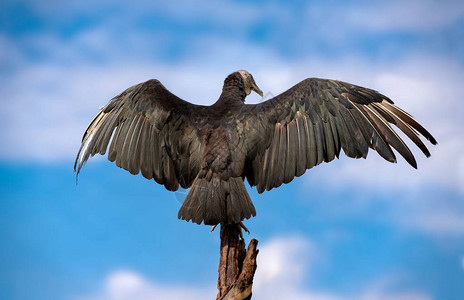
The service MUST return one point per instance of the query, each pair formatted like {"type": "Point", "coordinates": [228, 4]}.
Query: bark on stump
{"type": "Point", "coordinates": [237, 265]}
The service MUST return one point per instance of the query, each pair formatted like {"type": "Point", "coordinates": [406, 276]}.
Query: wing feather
{"type": "Point", "coordinates": [146, 166]}
{"type": "Point", "coordinates": [270, 174]}
{"type": "Point", "coordinates": [144, 127]}
{"type": "Point", "coordinates": [302, 142]}
{"type": "Point", "coordinates": [391, 137]}
{"type": "Point", "coordinates": [123, 143]}
{"type": "Point", "coordinates": [320, 142]}
{"type": "Point", "coordinates": [134, 148]}
{"type": "Point", "coordinates": [281, 157]}
{"type": "Point", "coordinates": [292, 153]}
{"type": "Point", "coordinates": [105, 136]}
{"type": "Point", "coordinates": [376, 139]}
{"type": "Point", "coordinates": [312, 121]}
{"type": "Point", "coordinates": [406, 128]}
{"type": "Point", "coordinates": [112, 152]}
{"type": "Point", "coordinates": [123, 156]}
{"type": "Point", "coordinates": [311, 154]}
{"type": "Point", "coordinates": [407, 118]}
{"type": "Point", "coordinates": [329, 141]}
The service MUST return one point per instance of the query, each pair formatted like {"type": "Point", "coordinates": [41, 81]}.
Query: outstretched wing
{"type": "Point", "coordinates": [151, 130]}
{"type": "Point", "coordinates": [312, 121]}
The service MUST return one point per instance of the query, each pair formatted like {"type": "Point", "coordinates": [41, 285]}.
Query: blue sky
{"type": "Point", "coordinates": [351, 229]}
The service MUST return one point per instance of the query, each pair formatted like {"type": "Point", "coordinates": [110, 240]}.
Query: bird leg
{"type": "Point", "coordinates": [242, 226]}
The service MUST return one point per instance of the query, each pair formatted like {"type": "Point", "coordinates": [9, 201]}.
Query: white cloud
{"type": "Point", "coordinates": [379, 15]}
{"type": "Point", "coordinates": [405, 15]}
{"type": "Point", "coordinates": [381, 289]}
{"type": "Point", "coordinates": [129, 285]}
{"type": "Point", "coordinates": [283, 263]}
{"type": "Point", "coordinates": [446, 222]}
{"type": "Point", "coordinates": [192, 10]}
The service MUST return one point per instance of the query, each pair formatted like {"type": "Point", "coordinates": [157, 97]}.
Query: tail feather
{"type": "Point", "coordinates": [217, 201]}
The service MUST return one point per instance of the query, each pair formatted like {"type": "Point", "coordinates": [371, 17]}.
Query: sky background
{"type": "Point", "coordinates": [351, 229]}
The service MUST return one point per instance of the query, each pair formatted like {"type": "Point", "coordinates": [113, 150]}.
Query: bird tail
{"type": "Point", "coordinates": [217, 201]}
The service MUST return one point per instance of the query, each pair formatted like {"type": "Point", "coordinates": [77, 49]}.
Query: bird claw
{"type": "Point", "coordinates": [212, 228]}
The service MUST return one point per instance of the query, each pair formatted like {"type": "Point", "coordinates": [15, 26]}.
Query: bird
{"type": "Point", "coordinates": [212, 149]}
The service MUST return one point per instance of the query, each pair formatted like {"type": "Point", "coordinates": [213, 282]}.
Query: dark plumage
{"type": "Point", "coordinates": [211, 149]}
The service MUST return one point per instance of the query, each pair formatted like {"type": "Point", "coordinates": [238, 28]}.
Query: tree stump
{"type": "Point", "coordinates": [237, 265]}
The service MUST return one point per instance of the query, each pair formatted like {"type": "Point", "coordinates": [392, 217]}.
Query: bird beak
{"type": "Point", "coordinates": [255, 88]}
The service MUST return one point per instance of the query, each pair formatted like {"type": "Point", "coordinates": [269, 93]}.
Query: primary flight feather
{"type": "Point", "coordinates": [212, 149]}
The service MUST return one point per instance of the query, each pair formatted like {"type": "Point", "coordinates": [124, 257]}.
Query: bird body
{"type": "Point", "coordinates": [212, 149]}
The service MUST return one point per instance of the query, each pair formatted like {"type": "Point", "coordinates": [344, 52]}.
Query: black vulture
{"type": "Point", "coordinates": [212, 149]}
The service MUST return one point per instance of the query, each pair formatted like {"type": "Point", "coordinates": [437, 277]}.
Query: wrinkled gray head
{"type": "Point", "coordinates": [249, 83]}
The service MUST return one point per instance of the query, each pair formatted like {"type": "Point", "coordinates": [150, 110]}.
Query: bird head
{"type": "Point", "coordinates": [249, 82]}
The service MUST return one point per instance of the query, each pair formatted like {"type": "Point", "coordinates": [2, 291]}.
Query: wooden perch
{"type": "Point", "coordinates": [237, 265]}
